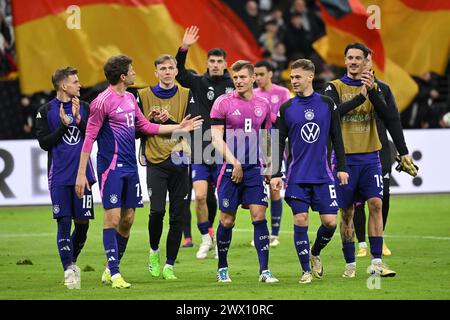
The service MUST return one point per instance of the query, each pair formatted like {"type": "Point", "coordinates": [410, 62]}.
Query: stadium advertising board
{"type": "Point", "coordinates": [23, 169]}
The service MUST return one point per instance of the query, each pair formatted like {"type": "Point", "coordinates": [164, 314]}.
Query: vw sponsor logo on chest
{"type": "Point", "coordinates": [310, 132]}
{"type": "Point", "coordinates": [72, 137]}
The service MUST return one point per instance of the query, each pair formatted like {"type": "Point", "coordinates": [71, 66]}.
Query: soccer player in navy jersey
{"type": "Point", "coordinates": [360, 101]}
{"type": "Point", "coordinates": [60, 130]}
{"type": "Point", "coordinates": [113, 121]}
{"type": "Point", "coordinates": [310, 120]}
{"type": "Point", "coordinates": [239, 117]}
{"type": "Point", "coordinates": [394, 126]}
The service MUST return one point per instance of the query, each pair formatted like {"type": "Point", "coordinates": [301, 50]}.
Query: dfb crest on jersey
{"type": "Point", "coordinates": [309, 114]}
{"type": "Point", "coordinates": [274, 99]}
{"type": "Point", "coordinates": [310, 132]}
{"type": "Point", "coordinates": [113, 198]}
{"type": "Point", "coordinates": [73, 136]}
{"type": "Point", "coordinates": [70, 118]}
{"type": "Point", "coordinates": [228, 89]}
{"type": "Point", "coordinates": [210, 95]}
{"type": "Point", "coordinates": [226, 203]}
{"type": "Point", "coordinates": [258, 111]}
{"type": "Point", "coordinates": [56, 209]}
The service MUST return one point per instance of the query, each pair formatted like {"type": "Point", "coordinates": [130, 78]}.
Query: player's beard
{"type": "Point", "coordinates": [355, 72]}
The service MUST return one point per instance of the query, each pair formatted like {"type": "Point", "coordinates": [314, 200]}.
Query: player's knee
{"type": "Point", "coordinates": [275, 195]}
{"type": "Point", "coordinates": [127, 221]}
{"type": "Point", "coordinates": [330, 224]}
{"type": "Point", "coordinates": [301, 219]}
{"type": "Point", "coordinates": [227, 222]}
{"type": "Point", "coordinates": [375, 206]}
{"type": "Point", "coordinates": [175, 225]}
{"type": "Point", "coordinates": [157, 214]}
{"type": "Point", "coordinates": [347, 215]}
{"type": "Point", "coordinates": [64, 224]}
{"type": "Point", "coordinates": [112, 222]}
{"type": "Point", "coordinates": [259, 215]}
{"type": "Point", "coordinates": [328, 221]}
{"type": "Point", "coordinates": [200, 199]}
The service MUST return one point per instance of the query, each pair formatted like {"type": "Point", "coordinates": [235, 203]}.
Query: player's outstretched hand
{"type": "Point", "coordinates": [190, 37]}
{"type": "Point", "coordinates": [63, 116]}
{"type": "Point", "coordinates": [189, 124]}
{"type": "Point", "coordinates": [276, 184]}
{"type": "Point", "coordinates": [80, 185]}
{"type": "Point", "coordinates": [343, 178]}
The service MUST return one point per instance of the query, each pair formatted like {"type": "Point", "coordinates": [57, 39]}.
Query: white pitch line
{"type": "Point", "coordinates": [385, 236]}
{"type": "Point", "coordinates": [46, 234]}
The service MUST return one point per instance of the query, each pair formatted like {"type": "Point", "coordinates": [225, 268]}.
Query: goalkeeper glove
{"type": "Point", "coordinates": [406, 165]}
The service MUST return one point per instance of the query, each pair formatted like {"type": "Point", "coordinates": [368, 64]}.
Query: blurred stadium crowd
{"type": "Point", "coordinates": [285, 29]}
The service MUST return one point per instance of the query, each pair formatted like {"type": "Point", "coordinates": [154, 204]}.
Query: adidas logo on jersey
{"type": "Point", "coordinates": [236, 112]}
{"type": "Point", "coordinates": [119, 109]}
{"type": "Point", "coordinates": [334, 204]}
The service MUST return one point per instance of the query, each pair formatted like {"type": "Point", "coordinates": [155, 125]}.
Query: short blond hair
{"type": "Point", "coordinates": [305, 64]}
{"type": "Point", "coordinates": [163, 58]}
{"type": "Point", "coordinates": [243, 64]}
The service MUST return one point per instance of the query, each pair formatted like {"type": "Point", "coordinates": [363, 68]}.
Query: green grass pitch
{"type": "Point", "coordinates": [418, 233]}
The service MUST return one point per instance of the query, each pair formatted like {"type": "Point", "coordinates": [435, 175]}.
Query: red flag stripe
{"type": "Point", "coordinates": [217, 29]}
{"type": "Point", "coordinates": [355, 23]}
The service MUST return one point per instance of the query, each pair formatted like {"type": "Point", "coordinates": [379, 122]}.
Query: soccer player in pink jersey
{"type": "Point", "coordinates": [113, 120]}
{"type": "Point", "coordinates": [240, 116]}
{"type": "Point", "coordinates": [276, 95]}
